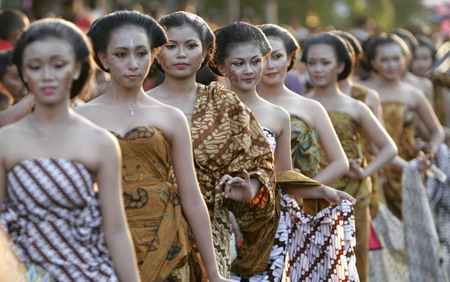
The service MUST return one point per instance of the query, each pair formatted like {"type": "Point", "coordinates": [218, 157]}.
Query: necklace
{"type": "Point", "coordinates": [45, 136]}
{"type": "Point", "coordinates": [132, 109]}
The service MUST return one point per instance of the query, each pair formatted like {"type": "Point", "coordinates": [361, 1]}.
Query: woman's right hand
{"type": "Point", "coordinates": [236, 188]}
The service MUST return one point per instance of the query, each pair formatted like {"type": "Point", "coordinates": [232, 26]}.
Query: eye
{"type": "Point", "coordinates": [120, 54]}
{"type": "Point", "coordinates": [256, 61]}
{"type": "Point", "coordinates": [170, 46]}
{"type": "Point", "coordinates": [59, 64]}
{"type": "Point", "coordinates": [142, 53]}
{"type": "Point", "coordinates": [277, 56]}
{"type": "Point", "coordinates": [192, 45]}
{"type": "Point", "coordinates": [33, 67]}
{"type": "Point", "coordinates": [238, 64]}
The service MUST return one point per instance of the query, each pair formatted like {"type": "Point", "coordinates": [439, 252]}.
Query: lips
{"type": "Point", "coordinates": [181, 65]}
{"type": "Point", "coordinates": [248, 80]}
{"type": "Point", "coordinates": [133, 76]}
{"type": "Point", "coordinates": [272, 74]}
{"type": "Point", "coordinates": [48, 89]}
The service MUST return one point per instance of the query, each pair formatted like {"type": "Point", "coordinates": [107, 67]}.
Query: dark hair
{"type": "Point", "coordinates": [428, 43]}
{"type": "Point", "coordinates": [289, 41]}
{"type": "Point", "coordinates": [408, 37]}
{"type": "Point", "coordinates": [341, 50]}
{"type": "Point", "coordinates": [102, 28]}
{"type": "Point", "coordinates": [5, 62]}
{"type": "Point", "coordinates": [354, 43]}
{"type": "Point", "coordinates": [10, 21]}
{"type": "Point", "coordinates": [60, 29]}
{"type": "Point", "coordinates": [233, 34]}
{"type": "Point", "coordinates": [197, 23]}
{"type": "Point", "coordinates": [371, 45]}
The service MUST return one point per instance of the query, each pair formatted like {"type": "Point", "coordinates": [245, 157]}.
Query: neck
{"type": "Point", "coordinates": [271, 92]}
{"type": "Point", "coordinates": [248, 96]}
{"type": "Point", "coordinates": [385, 83]}
{"type": "Point", "coordinates": [346, 85]}
{"type": "Point", "coordinates": [179, 87]}
{"type": "Point", "coordinates": [126, 96]}
{"type": "Point", "coordinates": [52, 115]}
{"type": "Point", "coordinates": [327, 91]}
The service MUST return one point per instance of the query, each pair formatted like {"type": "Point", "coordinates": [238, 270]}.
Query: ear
{"type": "Point", "coordinates": [341, 67]}
{"type": "Point", "coordinates": [77, 71]}
{"type": "Point", "coordinates": [222, 70]}
{"type": "Point", "coordinates": [103, 60]}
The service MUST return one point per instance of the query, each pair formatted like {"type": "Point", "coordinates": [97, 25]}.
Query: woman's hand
{"type": "Point", "coordinates": [335, 196]}
{"type": "Point", "coordinates": [424, 161]}
{"type": "Point", "coordinates": [356, 171]}
{"type": "Point", "coordinates": [236, 188]}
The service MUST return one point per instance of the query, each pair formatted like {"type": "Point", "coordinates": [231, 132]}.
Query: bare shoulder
{"type": "Point", "coordinates": [90, 108]}
{"type": "Point", "coordinates": [12, 131]}
{"type": "Point", "coordinates": [91, 132]}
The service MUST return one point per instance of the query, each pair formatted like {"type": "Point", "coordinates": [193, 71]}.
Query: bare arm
{"type": "Point", "coordinates": [17, 111]}
{"type": "Point", "coordinates": [431, 122]}
{"type": "Point", "coordinates": [387, 149]}
{"type": "Point", "coordinates": [118, 238]}
{"type": "Point", "coordinates": [282, 155]}
{"type": "Point", "coordinates": [337, 160]}
{"type": "Point", "coordinates": [192, 201]}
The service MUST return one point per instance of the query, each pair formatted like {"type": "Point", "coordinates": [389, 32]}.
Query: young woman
{"type": "Point", "coordinates": [155, 144]}
{"type": "Point", "coordinates": [239, 54]}
{"type": "Point", "coordinates": [231, 153]}
{"type": "Point", "coordinates": [328, 60]}
{"type": "Point", "coordinates": [57, 218]}
{"type": "Point", "coordinates": [369, 97]}
{"type": "Point", "coordinates": [311, 127]}
{"type": "Point", "coordinates": [385, 55]}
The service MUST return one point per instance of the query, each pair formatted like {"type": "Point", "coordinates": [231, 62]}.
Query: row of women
{"type": "Point", "coordinates": [145, 186]}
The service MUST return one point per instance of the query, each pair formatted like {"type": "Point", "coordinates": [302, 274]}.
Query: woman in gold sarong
{"type": "Point", "coordinates": [155, 144]}
{"type": "Point", "coordinates": [402, 104]}
{"type": "Point", "coordinates": [328, 60]}
{"type": "Point", "coordinates": [310, 124]}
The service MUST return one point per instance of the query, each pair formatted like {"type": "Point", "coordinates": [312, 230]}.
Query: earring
{"type": "Point", "coordinates": [25, 80]}
{"type": "Point", "coordinates": [75, 77]}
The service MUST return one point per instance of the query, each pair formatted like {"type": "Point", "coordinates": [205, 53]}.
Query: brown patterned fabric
{"type": "Point", "coordinates": [226, 140]}
{"type": "Point", "coordinates": [349, 134]}
{"type": "Point", "coordinates": [155, 218]}
{"type": "Point", "coordinates": [359, 92]}
{"type": "Point", "coordinates": [399, 123]}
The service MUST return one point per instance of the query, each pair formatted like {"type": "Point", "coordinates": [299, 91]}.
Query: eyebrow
{"type": "Point", "coordinates": [193, 39]}
{"type": "Point", "coordinates": [127, 47]}
{"type": "Point", "coordinates": [238, 58]}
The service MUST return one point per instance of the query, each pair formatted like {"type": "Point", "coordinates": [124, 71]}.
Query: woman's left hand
{"type": "Point", "coordinates": [336, 197]}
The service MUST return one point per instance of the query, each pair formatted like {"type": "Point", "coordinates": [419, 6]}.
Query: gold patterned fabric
{"type": "Point", "coordinates": [399, 123]}
{"type": "Point", "coordinates": [226, 140]}
{"type": "Point", "coordinates": [159, 230]}
{"type": "Point", "coordinates": [349, 135]}
{"type": "Point", "coordinates": [305, 157]}
{"type": "Point", "coordinates": [359, 92]}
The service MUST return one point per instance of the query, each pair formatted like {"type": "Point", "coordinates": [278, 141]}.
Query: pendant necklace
{"type": "Point", "coordinates": [132, 109]}
{"type": "Point", "coordinates": [46, 136]}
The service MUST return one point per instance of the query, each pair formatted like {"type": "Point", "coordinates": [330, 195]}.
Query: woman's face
{"type": "Point", "coordinates": [49, 68]}
{"type": "Point", "coordinates": [322, 65]}
{"type": "Point", "coordinates": [422, 61]}
{"type": "Point", "coordinates": [243, 66]}
{"type": "Point", "coordinates": [183, 54]}
{"type": "Point", "coordinates": [128, 56]}
{"type": "Point", "coordinates": [389, 61]}
{"type": "Point", "coordinates": [12, 83]}
{"type": "Point", "coordinates": [276, 64]}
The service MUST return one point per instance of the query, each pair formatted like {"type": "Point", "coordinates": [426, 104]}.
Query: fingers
{"type": "Point", "coordinates": [246, 176]}
{"type": "Point", "coordinates": [224, 178]}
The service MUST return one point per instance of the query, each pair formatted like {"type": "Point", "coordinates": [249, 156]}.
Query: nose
{"type": "Point", "coordinates": [269, 63]}
{"type": "Point", "coordinates": [248, 69]}
{"type": "Point", "coordinates": [133, 62]}
{"type": "Point", "coordinates": [181, 52]}
{"type": "Point", "coordinates": [47, 73]}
